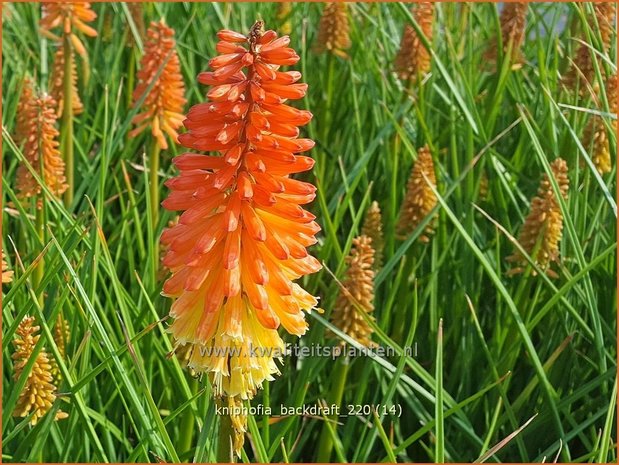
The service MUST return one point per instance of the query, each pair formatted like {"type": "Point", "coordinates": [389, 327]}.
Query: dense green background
{"type": "Point", "coordinates": [129, 405]}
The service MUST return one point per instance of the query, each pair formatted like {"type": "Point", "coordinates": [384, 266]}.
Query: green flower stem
{"type": "Point", "coordinates": [130, 76]}
{"type": "Point", "coordinates": [340, 374]}
{"type": "Point", "coordinates": [225, 452]}
{"type": "Point", "coordinates": [188, 422]}
{"type": "Point", "coordinates": [66, 129]}
{"type": "Point", "coordinates": [155, 152]}
{"type": "Point", "coordinates": [39, 271]}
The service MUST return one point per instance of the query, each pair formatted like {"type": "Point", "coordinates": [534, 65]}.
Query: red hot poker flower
{"type": "Point", "coordinates": [241, 240]}
{"type": "Point", "coordinates": [162, 107]}
{"type": "Point", "coordinates": [36, 130]}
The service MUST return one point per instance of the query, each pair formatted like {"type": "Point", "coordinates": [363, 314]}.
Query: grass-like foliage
{"type": "Point", "coordinates": [507, 364]}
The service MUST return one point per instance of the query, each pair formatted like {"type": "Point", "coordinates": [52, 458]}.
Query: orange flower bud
{"type": "Point", "coordinates": [595, 137]}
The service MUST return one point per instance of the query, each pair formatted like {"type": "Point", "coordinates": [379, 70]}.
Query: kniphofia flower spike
{"type": "Point", "coordinates": [513, 28]}
{"type": "Point", "coordinates": [39, 392]}
{"type": "Point", "coordinates": [420, 199]}
{"type": "Point", "coordinates": [36, 132]}
{"type": "Point", "coordinates": [357, 293]}
{"type": "Point", "coordinates": [163, 104]}
{"type": "Point", "coordinates": [373, 228]}
{"type": "Point", "coordinates": [581, 73]}
{"type": "Point", "coordinates": [543, 227]}
{"type": "Point", "coordinates": [334, 30]}
{"type": "Point", "coordinates": [414, 59]}
{"type": "Point", "coordinates": [241, 240]}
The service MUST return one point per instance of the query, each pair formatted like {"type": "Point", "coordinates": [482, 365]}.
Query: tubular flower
{"type": "Point", "coordinates": [373, 228]}
{"type": "Point", "coordinates": [241, 240]}
{"type": "Point", "coordinates": [420, 199]}
{"type": "Point", "coordinates": [541, 233]}
{"type": "Point", "coordinates": [7, 274]}
{"type": "Point", "coordinates": [41, 147]}
{"type": "Point", "coordinates": [163, 105]}
{"type": "Point", "coordinates": [357, 293]}
{"type": "Point", "coordinates": [513, 22]}
{"type": "Point", "coordinates": [582, 71]}
{"type": "Point", "coordinates": [334, 30]}
{"type": "Point", "coordinates": [595, 137]}
{"type": "Point", "coordinates": [283, 16]}
{"type": "Point", "coordinates": [71, 17]}
{"type": "Point", "coordinates": [56, 84]}
{"type": "Point", "coordinates": [39, 392]}
{"type": "Point", "coordinates": [414, 59]}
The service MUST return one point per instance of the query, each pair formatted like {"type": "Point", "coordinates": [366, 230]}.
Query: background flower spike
{"type": "Point", "coordinates": [373, 228]}
{"type": "Point", "coordinates": [163, 100]}
{"type": "Point", "coordinates": [414, 59]}
{"type": "Point", "coordinates": [334, 30]}
{"type": "Point", "coordinates": [542, 230]}
{"type": "Point", "coordinates": [419, 199]}
{"type": "Point", "coordinates": [39, 392]}
{"type": "Point", "coordinates": [357, 293]}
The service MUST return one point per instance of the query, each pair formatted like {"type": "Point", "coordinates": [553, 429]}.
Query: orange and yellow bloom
{"type": "Point", "coordinates": [241, 240]}
{"type": "Point", "coordinates": [373, 228]}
